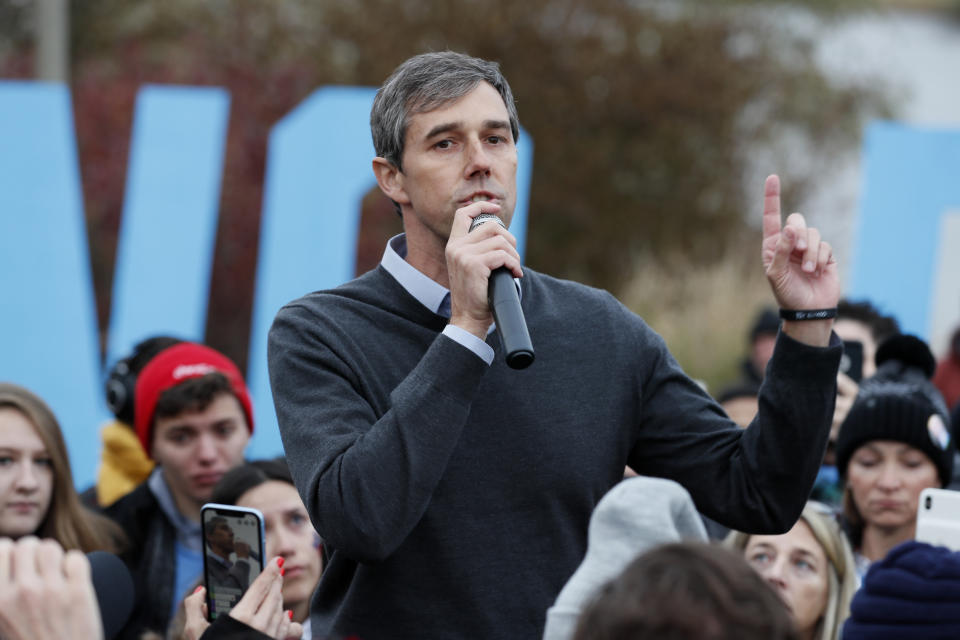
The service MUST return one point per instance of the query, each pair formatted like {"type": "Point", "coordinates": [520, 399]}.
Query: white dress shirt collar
{"type": "Point", "coordinates": [429, 293]}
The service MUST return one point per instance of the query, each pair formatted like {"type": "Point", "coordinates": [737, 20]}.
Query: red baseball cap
{"type": "Point", "coordinates": [177, 364]}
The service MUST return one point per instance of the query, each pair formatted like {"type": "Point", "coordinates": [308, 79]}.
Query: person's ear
{"type": "Point", "coordinates": [390, 179]}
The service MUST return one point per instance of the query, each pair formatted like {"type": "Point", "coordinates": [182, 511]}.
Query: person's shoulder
{"type": "Point", "coordinates": [361, 288]}
{"type": "Point", "coordinates": [577, 302]}
{"type": "Point", "coordinates": [571, 291]}
{"type": "Point", "coordinates": [367, 289]}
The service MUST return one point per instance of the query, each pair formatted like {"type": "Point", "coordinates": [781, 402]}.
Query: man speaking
{"type": "Point", "coordinates": [454, 491]}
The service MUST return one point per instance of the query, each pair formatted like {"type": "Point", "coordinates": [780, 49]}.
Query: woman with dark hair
{"type": "Point", "coordinates": [37, 496]}
{"type": "Point", "coordinates": [266, 485]}
{"type": "Point", "coordinates": [894, 443]}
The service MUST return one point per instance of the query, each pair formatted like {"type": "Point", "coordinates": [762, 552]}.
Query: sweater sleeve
{"type": "Point", "coordinates": [755, 480]}
{"type": "Point", "coordinates": [366, 471]}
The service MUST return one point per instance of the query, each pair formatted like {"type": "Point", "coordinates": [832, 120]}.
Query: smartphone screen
{"type": "Point", "coordinates": [232, 554]}
{"type": "Point", "coordinates": [851, 363]}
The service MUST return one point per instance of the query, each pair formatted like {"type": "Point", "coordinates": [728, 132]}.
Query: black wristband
{"type": "Point", "coordinates": [808, 314]}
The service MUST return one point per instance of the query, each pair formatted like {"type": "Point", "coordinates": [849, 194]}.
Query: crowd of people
{"type": "Point", "coordinates": [428, 490]}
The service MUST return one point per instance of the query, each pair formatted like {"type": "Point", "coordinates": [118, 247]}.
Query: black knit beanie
{"type": "Point", "coordinates": [899, 403]}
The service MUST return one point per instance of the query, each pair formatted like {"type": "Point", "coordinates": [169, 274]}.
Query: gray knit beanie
{"type": "Point", "coordinates": [636, 515]}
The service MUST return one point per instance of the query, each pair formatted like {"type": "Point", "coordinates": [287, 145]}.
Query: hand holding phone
{"type": "Point", "coordinates": [233, 550]}
{"type": "Point", "coordinates": [851, 363]}
{"type": "Point", "coordinates": [261, 609]}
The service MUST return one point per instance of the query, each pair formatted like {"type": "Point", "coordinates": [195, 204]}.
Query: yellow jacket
{"type": "Point", "coordinates": [123, 465]}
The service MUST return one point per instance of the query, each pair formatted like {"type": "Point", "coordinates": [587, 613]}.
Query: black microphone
{"type": "Point", "coordinates": [114, 588]}
{"type": "Point", "coordinates": [507, 313]}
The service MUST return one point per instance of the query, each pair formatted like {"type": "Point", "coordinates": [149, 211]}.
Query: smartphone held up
{"type": "Point", "coordinates": [233, 554]}
{"type": "Point", "coordinates": [938, 518]}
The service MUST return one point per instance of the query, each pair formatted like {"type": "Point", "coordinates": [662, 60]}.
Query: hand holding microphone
{"type": "Point", "coordinates": [504, 301]}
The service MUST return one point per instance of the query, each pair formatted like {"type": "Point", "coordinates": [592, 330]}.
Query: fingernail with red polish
{"type": "Point", "coordinates": [280, 562]}
{"type": "Point", "coordinates": [197, 590]}
{"type": "Point", "coordinates": [283, 572]}
{"type": "Point", "coordinates": [290, 614]}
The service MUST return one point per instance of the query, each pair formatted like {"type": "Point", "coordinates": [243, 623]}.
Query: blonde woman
{"type": "Point", "coordinates": [37, 496]}
{"type": "Point", "coordinates": [811, 568]}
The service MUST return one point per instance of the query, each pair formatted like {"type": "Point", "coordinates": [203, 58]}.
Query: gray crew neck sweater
{"type": "Point", "coordinates": [455, 497]}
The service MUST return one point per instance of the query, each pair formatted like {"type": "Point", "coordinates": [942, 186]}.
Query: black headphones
{"type": "Point", "coordinates": [121, 387]}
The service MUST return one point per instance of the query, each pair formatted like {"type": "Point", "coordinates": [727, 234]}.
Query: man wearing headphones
{"type": "Point", "coordinates": [193, 417]}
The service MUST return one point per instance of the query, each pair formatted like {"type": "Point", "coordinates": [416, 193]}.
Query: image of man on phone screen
{"type": "Point", "coordinates": [228, 578]}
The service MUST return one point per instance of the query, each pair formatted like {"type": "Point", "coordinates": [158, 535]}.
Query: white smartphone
{"type": "Point", "coordinates": [233, 543]}
{"type": "Point", "coordinates": [938, 518]}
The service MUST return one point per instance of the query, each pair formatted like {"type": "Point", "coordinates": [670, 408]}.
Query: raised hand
{"type": "Point", "coordinates": [242, 549]}
{"type": "Point", "coordinates": [260, 608]}
{"type": "Point", "coordinates": [847, 391]}
{"type": "Point", "coordinates": [799, 265]}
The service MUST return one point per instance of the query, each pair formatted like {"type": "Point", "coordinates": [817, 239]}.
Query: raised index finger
{"type": "Point", "coordinates": [771, 206]}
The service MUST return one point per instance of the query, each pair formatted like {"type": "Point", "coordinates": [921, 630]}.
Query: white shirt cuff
{"type": "Point", "coordinates": [470, 341]}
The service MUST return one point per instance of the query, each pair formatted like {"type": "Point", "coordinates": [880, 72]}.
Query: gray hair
{"type": "Point", "coordinates": [426, 82]}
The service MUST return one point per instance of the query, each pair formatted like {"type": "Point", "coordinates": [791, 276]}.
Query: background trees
{"type": "Point", "coordinates": [654, 123]}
